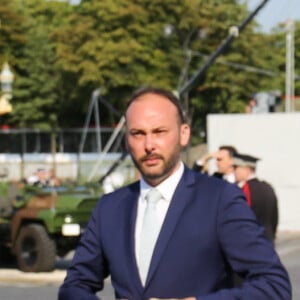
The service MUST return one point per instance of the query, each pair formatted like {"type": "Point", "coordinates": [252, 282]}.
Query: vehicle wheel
{"type": "Point", "coordinates": [35, 251]}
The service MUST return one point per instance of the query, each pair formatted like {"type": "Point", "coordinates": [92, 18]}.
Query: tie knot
{"type": "Point", "coordinates": [153, 196]}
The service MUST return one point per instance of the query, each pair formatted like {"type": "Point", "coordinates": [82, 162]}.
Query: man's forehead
{"type": "Point", "coordinates": [156, 107]}
{"type": "Point", "coordinates": [223, 152]}
{"type": "Point", "coordinates": [151, 98]}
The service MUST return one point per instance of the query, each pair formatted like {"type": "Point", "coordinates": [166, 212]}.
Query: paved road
{"type": "Point", "coordinates": [288, 248]}
{"type": "Point", "coordinates": [16, 285]}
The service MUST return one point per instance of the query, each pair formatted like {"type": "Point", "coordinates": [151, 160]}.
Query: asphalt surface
{"type": "Point", "coordinates": [287, 246]}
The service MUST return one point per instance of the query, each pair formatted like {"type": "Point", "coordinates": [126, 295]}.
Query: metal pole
{"type": "Point", "coordinates": [116, 131]}
{"type": "Point", "coordinates": [289, 81]}
{"type": "Point", "coordinates": [234, 32]}
{"type": "Point", "coordinates": [98, 129]}
{"type": "Point", "coordinates": [94, 99]}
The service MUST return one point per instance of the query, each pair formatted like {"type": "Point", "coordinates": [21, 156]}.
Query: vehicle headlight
{"type": "Point", "coordinates": [70, 230]}
{"type": "Point", "coordinates": [68, 219]}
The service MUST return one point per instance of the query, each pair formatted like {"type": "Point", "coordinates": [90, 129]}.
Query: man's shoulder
{"type": "Point", "coordinates": [215, 192]}
{"type": "Point", "coordinates": [209, 180]}
{"type": "Point", "coordinates": [129, 188]}
{"type": "Point", "coordinates": [261, 186]}
{"type": "Point", "coordinates": [218, 175]}
{"type": "Point", "coordinates": [119, 198]}
{"type": "Point", "coordinates": [258, 182]}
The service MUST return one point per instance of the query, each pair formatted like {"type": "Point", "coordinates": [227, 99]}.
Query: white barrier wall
{"type": "Point", "coordinates": [68, 166]}
{"type": "Point", "coordinates": [275, 139]}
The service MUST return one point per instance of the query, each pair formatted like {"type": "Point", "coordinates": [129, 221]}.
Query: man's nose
{"type": "Point", "coordinates": [149, 143]}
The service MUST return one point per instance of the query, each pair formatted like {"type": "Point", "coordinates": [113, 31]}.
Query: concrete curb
{"type": "Point", "coordinates": [8, 276]}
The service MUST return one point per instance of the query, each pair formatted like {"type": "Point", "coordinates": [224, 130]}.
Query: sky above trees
{"type": "Point", "coordinates": [276, 12]}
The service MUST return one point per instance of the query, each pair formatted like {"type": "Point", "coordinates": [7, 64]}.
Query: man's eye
{"type": "Point", "coordinates": [137, 133]}
{"type": "Point", "coordinates": [161, 131]}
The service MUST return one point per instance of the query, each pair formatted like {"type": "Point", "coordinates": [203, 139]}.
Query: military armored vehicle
{"type": "Point", "coordinates": [39, 224]}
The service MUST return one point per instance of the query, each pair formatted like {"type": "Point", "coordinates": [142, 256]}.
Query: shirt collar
{"type": "Point", "coordinates": [167, 187]}
{"type": "Point", "coordinates": [229, 177]}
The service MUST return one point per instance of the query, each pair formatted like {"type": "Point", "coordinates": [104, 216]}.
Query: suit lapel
{"type": "Point", "coordinates": [132, 263]}
{"type": "Point", "coordinates": [181, 197]}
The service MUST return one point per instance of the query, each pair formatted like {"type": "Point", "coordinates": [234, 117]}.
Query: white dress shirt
{"type": "Point", "coordinates": [167, 189]}
{"type": "Point", "coordinates": [229, 177]}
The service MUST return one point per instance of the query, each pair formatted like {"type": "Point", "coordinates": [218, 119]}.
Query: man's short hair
{"type": "Point", "coordinates": [162, 92]}
{"type": "Point", "coordinates": [231, 150]}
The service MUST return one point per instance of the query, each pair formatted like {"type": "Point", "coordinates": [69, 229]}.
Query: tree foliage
{"type": "Point", "coordinates": [61, 53]}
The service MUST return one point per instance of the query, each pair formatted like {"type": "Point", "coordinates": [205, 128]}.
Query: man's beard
{"type": "Point", "coordinates": [160, 172]}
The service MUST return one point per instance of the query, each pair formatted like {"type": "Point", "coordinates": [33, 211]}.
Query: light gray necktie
{"type": "Point", "coordinates": [150, 229]}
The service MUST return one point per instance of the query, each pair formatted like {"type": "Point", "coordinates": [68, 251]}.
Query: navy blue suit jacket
{"type": "Point", "coordinates": [208, 232]}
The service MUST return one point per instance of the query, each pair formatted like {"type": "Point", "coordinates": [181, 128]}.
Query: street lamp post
{"type": "Point", "coordinates": [290, 66]}
{"type": "Point", "coordinates": [6, 79]}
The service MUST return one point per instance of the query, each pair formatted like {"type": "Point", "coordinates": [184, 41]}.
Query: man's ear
{"type": "Point", "coordinates": [185, 133]}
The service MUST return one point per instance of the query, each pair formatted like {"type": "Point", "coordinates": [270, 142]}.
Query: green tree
{"type": "Point", "coordinates": [12, 37]}
{"type": "Point", "coordinates": [121, 45]}
{"type": "Point", "coordinates": [36, 91]}
{"type": "Point", "coordinates": [113, 45]}
{"type": "Point", "coordinates": [297, 60]}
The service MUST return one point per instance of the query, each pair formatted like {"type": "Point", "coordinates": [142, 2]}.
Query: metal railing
{"type": "Point", "coordinates": [22, 141]}
{"type": "Point", "coordinates": [23, 151]}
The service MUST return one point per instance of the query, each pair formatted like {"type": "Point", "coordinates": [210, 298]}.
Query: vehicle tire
{"type": "Point", "coordinates": [35, 250]}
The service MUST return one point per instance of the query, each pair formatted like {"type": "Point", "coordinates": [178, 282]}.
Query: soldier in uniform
{"type": "Point", "coordinates": [259, 194]}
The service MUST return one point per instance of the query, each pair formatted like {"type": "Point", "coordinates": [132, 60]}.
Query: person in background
{"type": "Point", "coordinates": [260, 195]}
{"type": "Point", "coordinates": [251, 107]}
{"type": "Point", "coordinates": [38, 178]}
{"type": "Point", "coordinates": [175, 233]}
{"type": "Point", "coordinates": [224, 161]}
{"type": "Point", "coordinates": [32, 179]}
{"type": "Point", "coordinates": [202, 164]}
{"type": "Point", "coordinates": [52, 179]}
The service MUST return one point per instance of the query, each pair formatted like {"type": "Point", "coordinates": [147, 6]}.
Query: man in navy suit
{"type": "Point", "coordinates": [207, 231]}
